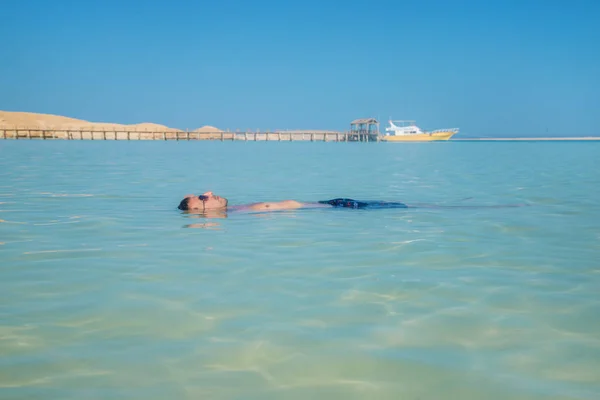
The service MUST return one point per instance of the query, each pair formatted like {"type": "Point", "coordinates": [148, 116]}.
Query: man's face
{"type": "Point", "coordinates": [206, 201]}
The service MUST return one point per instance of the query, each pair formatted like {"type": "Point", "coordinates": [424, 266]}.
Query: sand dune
{"type": "Point", "coordinates": [207, 129]}
{"type": "Point", "coordinates": [34, 120]}
{"type": "Point", "coordinates": [27, 120]}
{"type": "Point", "coordinates": [149, 126]}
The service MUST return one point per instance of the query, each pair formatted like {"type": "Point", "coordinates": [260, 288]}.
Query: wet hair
{"type": "Point", "coordinates": [183, 205]}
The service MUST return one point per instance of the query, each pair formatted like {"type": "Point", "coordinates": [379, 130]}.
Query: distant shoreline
{"type": "Point", "coordinates": [26, 125]}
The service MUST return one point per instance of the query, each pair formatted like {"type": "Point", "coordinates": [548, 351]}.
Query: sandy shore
{"type": "Point", "coordinates": [25, 120]}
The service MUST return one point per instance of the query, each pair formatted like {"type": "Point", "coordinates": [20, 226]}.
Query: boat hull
{"type": "Point", "coordinates": [424, 137]}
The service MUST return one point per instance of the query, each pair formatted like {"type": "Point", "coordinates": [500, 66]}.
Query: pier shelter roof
{"type": "Point", "coordinates": [364, 121]}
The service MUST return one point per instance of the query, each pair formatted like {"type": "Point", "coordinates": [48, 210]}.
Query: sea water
{"type": "Point", "coordinates": [108, 291]}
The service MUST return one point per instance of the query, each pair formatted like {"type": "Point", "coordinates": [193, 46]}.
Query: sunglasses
{"type": "Point", "coordinates": [203, 197]}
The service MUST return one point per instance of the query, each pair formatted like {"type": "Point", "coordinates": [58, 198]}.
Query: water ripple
{"type": "Point", "coordinates": [105, 293]}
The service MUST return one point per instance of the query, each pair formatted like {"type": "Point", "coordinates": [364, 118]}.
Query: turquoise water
{"type": "Point", "coordinates": [108, 291]}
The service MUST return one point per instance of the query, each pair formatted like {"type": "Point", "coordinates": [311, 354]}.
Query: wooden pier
{"type": "Point", "coordinates": [361, 130]}
{"type": "Point", "coordinates": [364, 130]}
{"type": "Point", "coordinates": [94, 134]}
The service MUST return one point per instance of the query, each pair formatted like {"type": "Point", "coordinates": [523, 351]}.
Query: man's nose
{"type": "Point", "coordinates": [207, 194]}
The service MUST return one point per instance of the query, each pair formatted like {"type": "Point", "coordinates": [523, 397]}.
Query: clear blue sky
{"type": "Point", "coordinates": [492, 68]}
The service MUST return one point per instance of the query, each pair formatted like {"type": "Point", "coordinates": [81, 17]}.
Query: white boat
{"type": "Point", "coordinates": [408, 131]}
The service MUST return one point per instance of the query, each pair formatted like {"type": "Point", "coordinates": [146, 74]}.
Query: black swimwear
{"type": "Point", "coordinates": [350, 203]}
